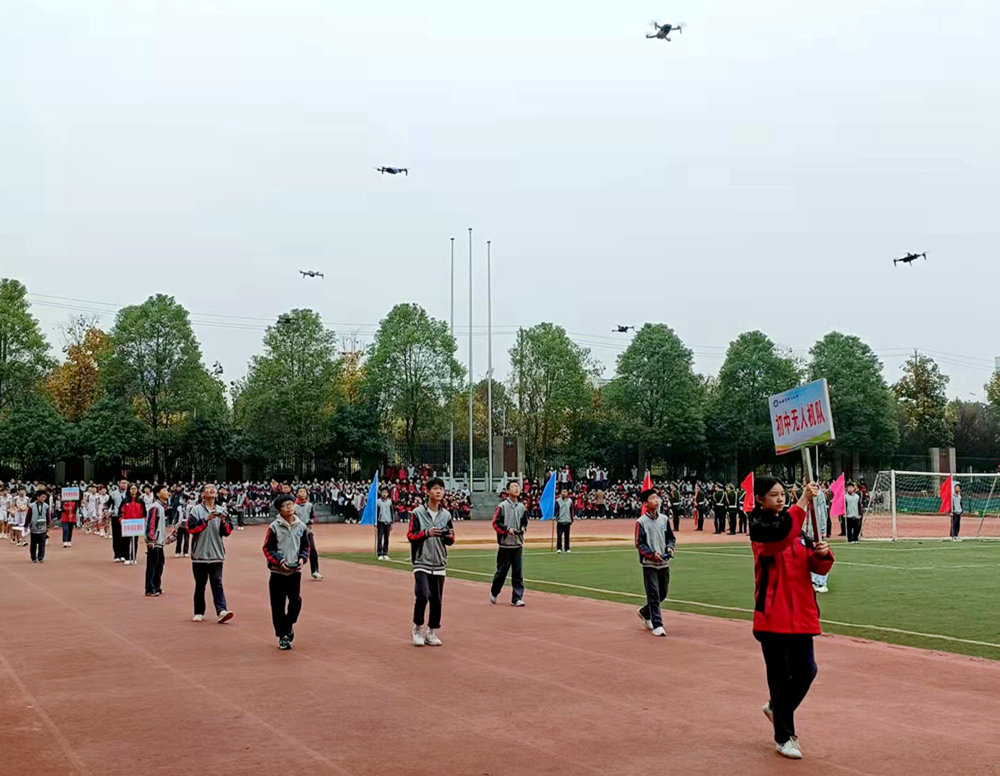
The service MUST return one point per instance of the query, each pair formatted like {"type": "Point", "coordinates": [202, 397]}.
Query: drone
{"type": "Point", "coordinates": [393, 170]}
{"type": "Point", "coordinates": [663, 30]}
{"type": "Point", "coordinates": [622, 329]}
{"type": "Point", "coordinates": [309, 273]}
{"type": "Point", "coordinates": [909, 258]}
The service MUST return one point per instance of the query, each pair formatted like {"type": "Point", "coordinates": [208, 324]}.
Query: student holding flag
{"type": "Point", "coordinates": [564, 514]}
{"type": "Point", "coordinates": [510, 522]}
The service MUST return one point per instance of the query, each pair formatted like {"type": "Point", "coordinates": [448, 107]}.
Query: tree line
{"type": "Point", "coordinates": [141, 391]}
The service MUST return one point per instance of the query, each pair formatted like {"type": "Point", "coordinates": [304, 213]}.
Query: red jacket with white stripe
{"type": "Point", "coordinates": [785, 601]}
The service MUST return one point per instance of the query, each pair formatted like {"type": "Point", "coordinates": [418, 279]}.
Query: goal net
{"type": "Point", "coordinates": [914, 505]}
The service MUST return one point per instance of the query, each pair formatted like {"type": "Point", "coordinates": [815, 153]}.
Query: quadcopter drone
{"type": "Point", "coordinates": [663, 30]}
{"type": "Point", "coordinates": [309, 273]}
{"type": "Point", "coordinates": [622, 329]}
{"type": "Point", "coordinates": [393, 170]}
{"type": "Point", "coordinates": [909, 258]}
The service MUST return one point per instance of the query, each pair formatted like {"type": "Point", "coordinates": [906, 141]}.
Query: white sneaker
{"type": "Point", "coordinates": [225, 616]}
{"type": "Point", "coordinates": [822, 589]}
{"type": "Point", "coordinates": [385, 557]}
{"type": "Point", "coordinates": [418, 636]}
{"type": "Point", "coordinates": [518, 602]}
{"type": "Point", "coordinates": [659, 631]}
{"type": "Point", "coordinates": [198, 618]}
{"type": "Point", "coordinates": [316, 575]}
{"type": "Point", "coordinates": [768, 712]}
{"type": "Point", "coordinates": [559, 551]}
{"type": "Point", "coordinates": [789, 749]}
{"type": "Point", "coordinates": [431, 639]}
{"type": "Point", "coordinates": [647, 624]}
{"type": "Point", "coordinates": [569, 551]}
{"type": "Point", "coordinates": [493, 598]}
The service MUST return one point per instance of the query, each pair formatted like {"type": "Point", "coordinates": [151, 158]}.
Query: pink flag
{"type": "Point", "coordinates": [837, 505]}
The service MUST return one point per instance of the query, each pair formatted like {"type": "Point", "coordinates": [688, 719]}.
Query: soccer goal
{"type": "Point", "coordinates": [915, 505]}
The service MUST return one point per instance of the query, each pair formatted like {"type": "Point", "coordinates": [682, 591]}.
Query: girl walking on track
{"type": "Point", "coordinates": [786, 616]}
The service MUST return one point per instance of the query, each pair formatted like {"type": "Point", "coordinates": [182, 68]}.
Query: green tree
{"type": "Point", "coordinates": [550, 383]}
{"type": "Point", "coordinates": [864, 408]}
{"type": "Point", "coordinates": [657, 396]}
{"type": "Point", "coordinates": [976, 431]}
{"type": "Point", "coordinates": [24, 353]}
{"type": "Point", "coordinates": [283, 403]}
{"type": "Point", "coordinates": [110, 431]}
{"type": "Point", "coordinates": [740, 420]}
{"type": "Point", "coordinates": [922, 402]}
{"type": "Point", "coordinates": [409, 371]}
{"type": "Point", "coordinates": [155, 362]}
{"type": "Point", "coordinates": [34, 435]}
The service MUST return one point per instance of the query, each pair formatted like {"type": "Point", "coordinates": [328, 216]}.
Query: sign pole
{"type": "Point", "coordinates": [807, 470]}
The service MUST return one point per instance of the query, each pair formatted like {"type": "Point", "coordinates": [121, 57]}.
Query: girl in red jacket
{"type": "Point", "coordinates": [786, 616]}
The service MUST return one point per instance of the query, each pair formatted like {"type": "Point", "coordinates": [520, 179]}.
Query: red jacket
{"type": "Point", "coordinates": [785, 601]}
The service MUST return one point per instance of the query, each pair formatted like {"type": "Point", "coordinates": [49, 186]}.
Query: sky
{"type": "Point", "coordinates": [760, 171]}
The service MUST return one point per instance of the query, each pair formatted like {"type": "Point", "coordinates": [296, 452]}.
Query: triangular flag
{"type": "Point", "coordinates": [747, 486]}
{"type": "Point", "coordinates": [647, 484]}
{"type": "Point", "coordinates": [548, 500]}
{"type": "Point", "coordinates": [947, 489]}
{"type": "Point", "coordinates": [368, 516]}
{"type": "Point", "coordinates": [838, 488]}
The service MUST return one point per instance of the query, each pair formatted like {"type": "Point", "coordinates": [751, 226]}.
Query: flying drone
{"type": "Point", "coordinates": [663, 30]}
{"type": "Point", "coordinates": [393, 170]}
{"type": "Point", "coordinates": [909, 258]}
{"type": "Point", "coordinates": [622, 329]}
{"type": "Point", "coordinates": [309, 273]}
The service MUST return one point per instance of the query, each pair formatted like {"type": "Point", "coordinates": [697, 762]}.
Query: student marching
{"type": "Point", "coordinates": [286, 548]}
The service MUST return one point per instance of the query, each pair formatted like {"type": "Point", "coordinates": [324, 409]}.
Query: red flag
{"type": "Point", "coordinates": [947, 488]}
{"type": "Point", "coordinates": [747, 486]}
{"type": "Point", "coordinates": [647, 484]}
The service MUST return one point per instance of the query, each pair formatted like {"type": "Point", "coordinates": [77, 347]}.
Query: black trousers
{"type": "Point", "coordinates": [677, 521]}
{"type": "Point", "coordinates": [117, 541]}
{"type": "Point", "coordinates": [427, 588]}
{"type": "Point", "coordinates": [853, 528]}
{"type": "Point", "coordinates": [743, 521]}
{"type": "Point", "coordinates": [286, 601]}
{"type": "Point", "coordinates": [720, 519]}
{"type": "Point", "coordinates": [37, 546]}
{"type": "Point", "coordinates": [67, 530]}
{"type": "Point", "coordinates": [509, 559]}
{"type": "Point", "coordinates": [956, 524]}
{"type": "Point", "coordinates": [382, 538]}
{"type": "Point", "coordinates": [313, 555]}
{"type": "Point", "coordinates": [701, 520]}
{"type": "Point", "coordinates": [656, 582]}
{"type": "Point", "coordinates": [154, 569]}
{"type": "Point", "coordinates": [562, 536]}
{"type": "Point", "coordinates": [183, 539]}
{"type": "Point", "coordinates": [842, 531]}
{"type": "Point", "coordinates": [208, 574]}
{"type": "Point", "coordinates": [791, 668]}
{"type": "Point", "coordinates": [732, 521]}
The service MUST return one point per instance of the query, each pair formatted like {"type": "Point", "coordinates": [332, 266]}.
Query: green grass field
{"type": "Point", "coordinates": [933, 595]}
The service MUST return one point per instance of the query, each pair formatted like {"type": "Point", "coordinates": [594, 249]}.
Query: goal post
{"type": "Point", "coordinates": [907, 505]}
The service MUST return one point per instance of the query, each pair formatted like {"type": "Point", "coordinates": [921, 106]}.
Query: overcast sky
{"type": "Point", "coordinates": [760, 171]}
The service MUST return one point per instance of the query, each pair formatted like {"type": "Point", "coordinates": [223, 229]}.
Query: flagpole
{"type": "Point", "coordinates": [451, 376]}
{"type": "Point", "coordinates": [472, 379]}
{"type": "Point", "coordinates": [489, 371]}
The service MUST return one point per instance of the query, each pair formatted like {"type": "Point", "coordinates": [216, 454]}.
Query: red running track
{"type": "Point", "coordinates": [96, 679]}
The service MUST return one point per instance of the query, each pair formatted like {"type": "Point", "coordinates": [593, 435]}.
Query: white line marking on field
{"type": "Point", "coordinates": [642, 596]}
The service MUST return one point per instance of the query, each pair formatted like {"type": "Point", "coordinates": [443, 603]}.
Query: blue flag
{"type": "Point", "coordinates": [368, 516]}
{"type": "Point", "coordinates": [548, 501]}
